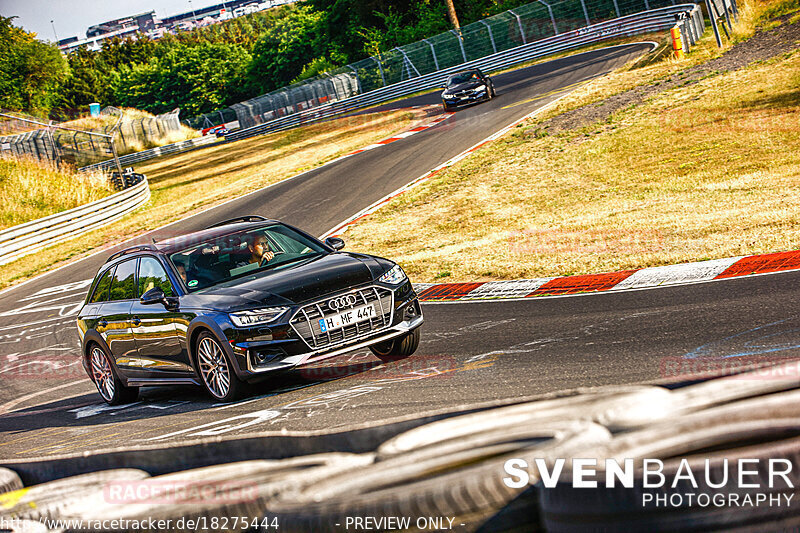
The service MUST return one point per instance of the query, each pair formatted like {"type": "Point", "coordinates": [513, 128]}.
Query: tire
{"type": "Point", "coordinates": [446, 108]}
{"type": "Point", "coordinates": [398, 348]}
{"type": "Point", "coordinates": [617, 408]}
{"type": "Point", "coordinates": [9, 480]}
{"type": "Point", "coordinates": [466, 486]}
{"type": "Point", "coordinates": [49, 500]}
{"type": "Point", "coordinates": [105, 378]}
{"type": "Point", "coordinates": [216, 370]}
{"type": "Point", "coordinates": [242, 489]}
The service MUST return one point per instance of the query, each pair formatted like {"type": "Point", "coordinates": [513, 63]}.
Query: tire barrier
{"type": "Point", "coordinates": [9, 480]}
{"type": "Point", "coordinates": [33, 236]}
{"type": "Point", "coordinates": [48, 500]}
{"type": "Point", "coordinates": [451, 464]}
{"type": "Point", "coordinates": [206, 492]}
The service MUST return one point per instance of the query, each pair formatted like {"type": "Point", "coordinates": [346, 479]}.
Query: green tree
{"type": "Point", "coordinates": [285, 48]}
{"type": "Point", "coordinates": [198, 79]}
{"type": "Point", "coordinates": [31, 72]}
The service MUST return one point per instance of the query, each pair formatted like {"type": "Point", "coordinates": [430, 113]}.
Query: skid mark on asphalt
{"type": "Point", "coordinates": [779, 336]}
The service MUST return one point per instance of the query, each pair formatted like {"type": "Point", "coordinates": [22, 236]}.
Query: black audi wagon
{"type": "Point", "coordinates": [236, 302]}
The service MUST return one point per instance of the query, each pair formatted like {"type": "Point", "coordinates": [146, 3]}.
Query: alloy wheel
{"type": "Point", "coordinates": [214, 368]}
{"type": "Point", "coordinates": [102, 375]}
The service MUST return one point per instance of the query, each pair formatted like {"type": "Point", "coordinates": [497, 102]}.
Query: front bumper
{"type": "Point", "coordinates": [466, 100]}
{"type": "Point", "coordinates": [279, 347]}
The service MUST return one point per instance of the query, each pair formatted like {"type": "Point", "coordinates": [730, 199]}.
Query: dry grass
{"type": "Point", "coordinates": [702, 171]}
{"type": "Point", "coordinates": [185, 183]}
{"type": "Point", "coordinates": [32, 189]}
{"type": "Point", "coordinates": [752, 15]}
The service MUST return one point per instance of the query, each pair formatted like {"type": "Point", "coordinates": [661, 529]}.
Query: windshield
{"type": "Point", "coordinates": [462, 77]}
{"type": "Point", "coordinates": [270, 247]}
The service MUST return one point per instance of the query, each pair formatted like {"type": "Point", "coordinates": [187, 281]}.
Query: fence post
{"type": "Point", "coordinates": [460, 44]}
{"type": "Point", "coordinates": [727, 14]}
{"type": "Point", "coordinates": [358, 80]}
{"type": "Point", "coordinates": [522, 31]}
{"type": "Point", "coordinates": [586, 13]}
{"type": "Point", "coordinates": [408, 61]}
{"type": "Point", "coordinates": [712, 18]}
{"type": "Point", "coordinates": [433, 53]}
{"type": "Point", "coordinates": [491, 37]}
{"type": "Point", "coordinates": [552, 18]}
{"type": "Point", "coordinates": [380, 67]}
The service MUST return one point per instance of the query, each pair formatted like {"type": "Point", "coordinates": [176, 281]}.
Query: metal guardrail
{"type": "Point", "coordinates": [33, 236]}
{"type": "Point", "coordinates": [643, 22]}
{"type": "Point", "coordinates": [144, 155]}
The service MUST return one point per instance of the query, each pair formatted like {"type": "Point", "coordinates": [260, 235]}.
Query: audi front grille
{"type": "Point", "coordinates": [305, 322]}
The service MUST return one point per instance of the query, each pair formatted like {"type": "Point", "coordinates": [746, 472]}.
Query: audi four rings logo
{"type": "Point", "coordinates": [342, 302]}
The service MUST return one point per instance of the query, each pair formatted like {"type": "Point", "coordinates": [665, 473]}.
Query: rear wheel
{"type": "Point", "coordinates": [216, 369]}
{"type": "Point", "coordinates": [108, 384]}
{"type": "Point", "coordinates": [398, 348]}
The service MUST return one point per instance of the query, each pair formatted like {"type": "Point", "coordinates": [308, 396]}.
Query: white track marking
{"type": "Point", "coordinates": [9, 406]}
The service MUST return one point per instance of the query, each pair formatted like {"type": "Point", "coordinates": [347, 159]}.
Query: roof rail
{"type": "Point", "coordinates": [246, 218]}
{"type": "Point", "coordinates": [132, 249]}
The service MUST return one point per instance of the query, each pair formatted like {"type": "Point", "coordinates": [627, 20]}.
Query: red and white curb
{"type": "Point", "coordinates": [409, 133]}
{"type": "Point", "coordinates": [612, 281]}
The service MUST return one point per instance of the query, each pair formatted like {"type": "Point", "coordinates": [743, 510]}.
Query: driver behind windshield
{"type": "Point", "coordinates": [258, 245]}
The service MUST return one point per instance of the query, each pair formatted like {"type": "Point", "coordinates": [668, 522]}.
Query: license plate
{"type": "Point", "coordinates": [351, 316]}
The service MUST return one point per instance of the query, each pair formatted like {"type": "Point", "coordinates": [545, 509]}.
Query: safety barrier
{"type": "Point", "coordinates": [144, 155]}
{"type": "Point", "coordinates": [647, 21]}
{"type": "Point", "coordinates": [33, 236]}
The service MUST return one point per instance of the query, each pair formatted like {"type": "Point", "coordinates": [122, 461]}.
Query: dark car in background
{"type": "Point", "coordinates": [467, 87]}
{"type": "Point", "coordinates": [237, 302]}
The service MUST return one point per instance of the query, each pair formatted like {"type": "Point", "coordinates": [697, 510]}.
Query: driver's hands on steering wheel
{"type": "Point", "coordinates": [267, 256]}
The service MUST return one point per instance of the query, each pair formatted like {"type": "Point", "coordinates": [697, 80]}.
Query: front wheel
{"type": "Point", "coordinates": [398, 348]}
{"type": "Point", "coordinates": [216, 369]}
{"type": "Point", "coordinates": [105, 379]}
{"type": "Point", "coordinates": [446, 108]}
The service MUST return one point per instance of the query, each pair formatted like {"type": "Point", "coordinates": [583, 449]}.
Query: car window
{"type": "Point", "coordinates": [462, 77]}
{"type": "Point", "coordinates": [123, 282]}
{"type": "Point", "coordinates": [237, 254]}
{"type": "Point", "coordinates": [151, 275]}
{"type": "Point", "coordinates": [101, 289]}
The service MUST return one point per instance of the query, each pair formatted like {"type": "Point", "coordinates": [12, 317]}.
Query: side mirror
{"type": "Point", "coordinates": [157, 296]}
{"type": "Point", "coordinates": [153, 296]}
{"type": "Point", "coordinates": [335, 242]}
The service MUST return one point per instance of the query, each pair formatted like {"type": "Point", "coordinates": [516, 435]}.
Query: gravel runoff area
{"type": "Point", "coordinates": [762, 46]}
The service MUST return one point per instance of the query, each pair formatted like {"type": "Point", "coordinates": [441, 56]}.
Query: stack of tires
{"type": "Point", "coordinates": [449, 474]}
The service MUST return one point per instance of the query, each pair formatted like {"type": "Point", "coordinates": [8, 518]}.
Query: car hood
{"type": "Point", "coordinates": [297, 284]}
{"type": "Point", "coordinates": [464, 86]}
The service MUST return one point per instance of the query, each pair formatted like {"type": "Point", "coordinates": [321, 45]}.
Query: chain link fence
{"type": "Point", "coordinates": [84, 141]}
{"type": "Point", "coordinates": [507, 30]}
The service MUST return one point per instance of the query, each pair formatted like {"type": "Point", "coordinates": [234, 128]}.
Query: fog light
{"type": "Point", "coordinates": [265, 355]}
{"type": "Point", "coordinates": [411, 312]}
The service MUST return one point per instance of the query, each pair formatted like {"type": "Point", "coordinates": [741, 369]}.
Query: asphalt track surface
{"type": "Point", "coordinates": [470, 351]}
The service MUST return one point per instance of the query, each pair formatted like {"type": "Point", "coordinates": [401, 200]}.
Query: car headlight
{"type": "Point", "coordinates": [255, 317]}
{"type": "Point", "coordinates": [395, 276]}
{"type": "Point", "coordinates": [446, 95]}
{"type": "Point", "coordinates": [480, 89]}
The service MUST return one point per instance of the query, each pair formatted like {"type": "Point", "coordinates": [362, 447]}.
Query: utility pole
{"type": "Point", "coordinates": [52, 23]}
{"type": "Point", "coordinates": [451, 13]}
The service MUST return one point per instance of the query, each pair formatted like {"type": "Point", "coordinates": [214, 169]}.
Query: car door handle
{"type": "Point", "coordinates": [136, 321]}
{"type": "Point", "coordinates": [102, 323]}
